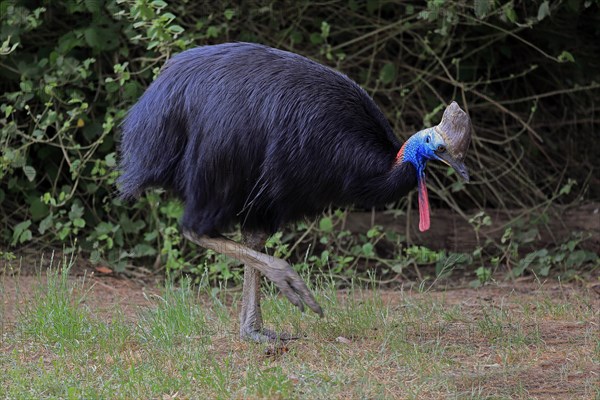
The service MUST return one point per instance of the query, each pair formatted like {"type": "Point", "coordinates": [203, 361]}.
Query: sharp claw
{"type": "Point", "coordinates": [293, 287]}
{"type": "Point", "coordinates": [314, 306]}
{"type": "Point", "coordinates": [293, 297]}
{"type": "Point", "coordinates": [267, 336]}
{"type": "Point", "coordinates": [302, 290]}
{"type": "Point", "coordinates": [317, 308]}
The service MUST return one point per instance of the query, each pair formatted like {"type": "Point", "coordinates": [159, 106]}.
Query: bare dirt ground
{"type": "Point", "coordinates": [561, 337]}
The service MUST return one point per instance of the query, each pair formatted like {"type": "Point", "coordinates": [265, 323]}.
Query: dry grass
{"type": "Point", "coordinates": [106, 338]}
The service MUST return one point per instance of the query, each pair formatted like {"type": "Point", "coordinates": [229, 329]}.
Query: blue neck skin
{"type": "Point", "coordinates": [419, 149]}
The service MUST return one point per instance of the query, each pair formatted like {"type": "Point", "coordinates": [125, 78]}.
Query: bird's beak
{"type": "Point", "coordinates": [459, 166]}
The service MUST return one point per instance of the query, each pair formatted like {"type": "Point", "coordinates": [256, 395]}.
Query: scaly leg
{"type": "Point", "coordinates": [251, 323]}
{"type": "Point", "coordinates": [277, 270]}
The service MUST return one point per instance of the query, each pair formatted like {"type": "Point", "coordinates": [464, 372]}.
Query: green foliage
{"type": "Point", "coordinates": [69, 71]}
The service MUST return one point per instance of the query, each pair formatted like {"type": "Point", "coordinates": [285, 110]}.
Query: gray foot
{"type": "Point", "coordinates": [251, 322]}
{"type": "Point", "coordinates": [266, 336]}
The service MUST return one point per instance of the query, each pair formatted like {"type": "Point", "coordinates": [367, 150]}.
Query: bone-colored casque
{"type": "Point", "coordinates": [455, 128]}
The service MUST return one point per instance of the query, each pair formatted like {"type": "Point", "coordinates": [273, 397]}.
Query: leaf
{"type": "Point", "coordinates": [528, 236]}
{"type": "Point", "coordinates": [565, 56]}
{"type": "Point", "coordinates": [507, 235]}
{"type": "Point", "coordinates": [104, 228]}
{"type": "Point", "coordinates": [95, 256]}
{"type": "Point", "coordinates": [45, 224]}
{"type": "Point", "coordinates": [510, 13]}
{"type": "Point", "coordinates": [228, 14]}
{"type": "Point", "coordinates": [481, 8]}
{"type": "Point", "coordinates": [25, 236]}
{"type": "Point", "coordinates": [387, 73]}
{"type": "Point", "coordinates": [367, 249]}
{"type": "Point", "coordinates": [6, 48]}
{"type": "Point", "coordinates": [325, 29]}
{"type": "Point", "coordinates": [374, 231]}
{"type": "Point", "coordinates": [212, 31]}
{"type": "Point", "coordinates": [103, 270]}
{"type": "Point", "coordinates": [144, 250]}
{"type": "Point", "coordinates": [150, 236]}
{"type": "Point", "coordinates": [111, 160]}
{"type": "Point", "coordinates": [580, 257]}
{"type": "Point", "coordinates": [487, 221]}
{"type": "Point", "coordinates": [29, 172]}
{"type": "Point", "coordinates": [296, 37]}
{"type": "Point", "coordinates": [37, 208]}
{"type": "Point", "coordinates": [26, 86]}
{"type": "Point", "coordinates": [526, 262]}
{"type": "Point", "coordinates": [544, 271]}
{"type": "Point", "coordinates": [76, 211]}
{"type": "Point", "coordinates": [483, 274]}
{"type": "Point", "coordinates": [19, 232]}
{"type": "Point", "coordinates": [176, 29]}
{"type": "Point", "coordinates": [543, 11]}
{"type": "Point", "coordinates": [566, 189]}
{"type": "Point", "coordinates": [326, 225]}
{"type": "Point", "coordinates": [457, 186]}
{"type": "Point", "coordinates": [316, 38]}
{"type": "Point", "coordinates": [160, 4]}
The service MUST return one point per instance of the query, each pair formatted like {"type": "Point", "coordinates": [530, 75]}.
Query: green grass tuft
{"type": "Point", "coordinates": [371, 344]}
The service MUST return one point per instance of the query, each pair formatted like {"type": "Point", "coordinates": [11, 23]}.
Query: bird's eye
{"type": "Point", "coordinates": [427, 140]}
{"type": "Point", "coordinates": [441, 148]}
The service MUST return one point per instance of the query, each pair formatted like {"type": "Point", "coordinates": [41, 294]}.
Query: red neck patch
{"type": "Point", "coordinates": [400, 155]}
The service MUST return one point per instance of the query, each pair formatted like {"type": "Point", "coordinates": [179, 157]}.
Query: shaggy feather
{"type": "Point", "coordinates": [244, 133]}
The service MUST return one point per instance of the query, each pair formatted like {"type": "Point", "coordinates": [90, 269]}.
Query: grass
{"type": "Point", "coordinates": [372, 344]}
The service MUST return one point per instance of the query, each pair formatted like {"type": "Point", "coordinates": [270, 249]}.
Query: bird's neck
{"type": "Point", "coordinates": [409, 152]}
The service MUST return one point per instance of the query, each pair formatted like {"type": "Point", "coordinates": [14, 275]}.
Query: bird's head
{"type": "Point", "coordinates": [447, 142]}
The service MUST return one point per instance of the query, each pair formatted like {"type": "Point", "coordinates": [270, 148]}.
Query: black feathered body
{"type": "Point", "coordinates": [246, 133]}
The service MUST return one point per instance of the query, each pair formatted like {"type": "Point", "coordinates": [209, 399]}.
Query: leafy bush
{"type": "Point", "coordinates": [69, 70]}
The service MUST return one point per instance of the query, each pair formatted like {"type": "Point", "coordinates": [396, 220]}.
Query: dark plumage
{"type": "Point", "coordinates": [250, 134]}
{"type": "Point", "coordinates": [246, 133]}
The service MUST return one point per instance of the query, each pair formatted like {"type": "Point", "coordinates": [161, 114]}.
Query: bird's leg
{"type": "Point", "coordinates": [251, 323]}
{"type": "Point", "coordinates": [277, 270]}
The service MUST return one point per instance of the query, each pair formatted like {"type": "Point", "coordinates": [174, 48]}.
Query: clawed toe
{"type": "Point", "coordinates": [267, 336]}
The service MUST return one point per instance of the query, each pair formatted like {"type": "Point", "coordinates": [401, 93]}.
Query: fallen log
{"type": "Point", "coordinates": [452, 232]}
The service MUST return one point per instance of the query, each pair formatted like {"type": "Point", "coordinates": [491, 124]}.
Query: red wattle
{"type": "Point", "coordinates": [423, 206]}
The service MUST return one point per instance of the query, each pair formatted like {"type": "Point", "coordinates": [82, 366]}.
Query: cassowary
{"type": "Point", "coordinates": [248, 134]}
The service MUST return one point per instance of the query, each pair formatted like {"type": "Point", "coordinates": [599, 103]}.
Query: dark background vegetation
{"type": "Point", "coordinates": [526, 71]}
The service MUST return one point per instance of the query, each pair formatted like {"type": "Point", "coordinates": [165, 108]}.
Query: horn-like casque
{"type": "Point", "coordinates": [455, 128]}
